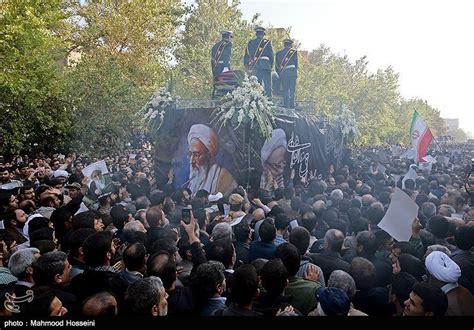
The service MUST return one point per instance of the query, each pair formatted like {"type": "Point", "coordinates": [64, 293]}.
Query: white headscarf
{"type": "Point", "coordinates": [441, 267]}
{"type": "Point", "coordinates": [206, 135]}
{"type": "Point", "coordinates": [278, 139]}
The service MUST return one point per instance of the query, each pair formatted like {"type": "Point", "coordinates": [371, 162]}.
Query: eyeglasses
{"type": "Point", "coordinates": [278, 166]}
{"type": "Point", "coordinates": [196, 154]}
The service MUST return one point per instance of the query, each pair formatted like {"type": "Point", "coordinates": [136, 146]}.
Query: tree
{"type": "Point", "coordinates": [333, 81]}
{"type": "Point", "coordinates": [33, 112]}
{"type": "Point", "coordinates": [459, 135]}
{"type": "Point", "coordinates": [125, 47]}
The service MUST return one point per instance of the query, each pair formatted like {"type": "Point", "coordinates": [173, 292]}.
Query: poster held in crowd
{"type": "Point", "coordinates": [399, 216]}
{"type": "Point", "coordinates": [97, 166]}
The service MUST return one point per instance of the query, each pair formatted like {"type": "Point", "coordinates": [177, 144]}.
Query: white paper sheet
{"type": "Point", "coordinates": [399, 217]}
{"type": "Point", "coordinates": [426, 167]}
{"type": "Point", "coordinates": [100, 165]}
{"type": "Point", "coordinates": [430, 159]}
{"type": "Point", "coordinates": [82, 208]}
{"type": "Point", "coordinates": [411, 174]}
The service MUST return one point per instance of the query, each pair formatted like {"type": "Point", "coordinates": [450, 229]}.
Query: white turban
{"type": "Point", "coordinates": [206, 135]}
{"type": "Point", "coordinates": [60, 173]}
{"type": "Point", "coordinates": [441, 267]}
{"type": "Point", "coordinates": [278, 139]}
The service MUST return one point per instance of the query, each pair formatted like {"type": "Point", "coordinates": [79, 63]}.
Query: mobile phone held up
{"type": "Point", "coordinates": [186, 216]}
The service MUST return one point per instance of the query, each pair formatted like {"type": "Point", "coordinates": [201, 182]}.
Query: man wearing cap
{"type": "Point", "coordinates": [258, 59]}
{"type": "Point", "coordinates": [287, 69]}
{"type": "Point", "coordinates": [220, 54]}
{"type": "Point", "coordinates": [204, 172]}
{"type": "Point", "coordinates": [331, 302]}
{"type": "Point", "coordinates": [73, 189]}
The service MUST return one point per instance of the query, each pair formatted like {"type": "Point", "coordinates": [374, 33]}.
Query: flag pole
{"type": "Point", "coordinates": [437, 144]}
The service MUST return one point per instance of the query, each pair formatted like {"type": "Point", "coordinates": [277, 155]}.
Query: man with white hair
{"type": "Point", "coordinates": [273, 161]}
{"type": "Point", "coordinates": [336, 197]}
{"type": "Point", "coordinates": [147, 297]}
{"type": "Point", "coordinates": [204, 172]}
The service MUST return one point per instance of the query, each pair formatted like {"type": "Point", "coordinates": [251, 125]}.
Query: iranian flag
{"type": "Point", "coordinates": [420, 136]}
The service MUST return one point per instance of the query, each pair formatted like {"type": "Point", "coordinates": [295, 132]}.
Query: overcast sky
{"type": "Point", "coordinates": [429, 42]}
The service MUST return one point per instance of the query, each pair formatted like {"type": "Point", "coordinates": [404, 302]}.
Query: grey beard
{"type": "Point", "coordinates": [164, 311]}
{"type": "Point", "coordinates": [100, 183]}
{"type": "Point", "coordinates": [197, 177]}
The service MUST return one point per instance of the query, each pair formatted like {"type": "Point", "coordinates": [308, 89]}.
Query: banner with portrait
{"type": "Point", "coordinates": [202, 157]}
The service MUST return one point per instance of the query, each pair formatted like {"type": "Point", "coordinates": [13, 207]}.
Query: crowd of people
{"type": "Point", "coordinates": [79, 246]}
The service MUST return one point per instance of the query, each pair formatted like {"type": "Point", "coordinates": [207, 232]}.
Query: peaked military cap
{"type": "Point", "coordinates": [288, 41]}
{"type": "Point", "coordinates": [259, 29]}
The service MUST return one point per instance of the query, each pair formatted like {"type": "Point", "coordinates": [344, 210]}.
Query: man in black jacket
{"type": "Point", "coordinates": [286, 65]}
{"type": "Point", "coordinates": [220, 54]}
{"type": "Point", "coordinates": [258, 59]}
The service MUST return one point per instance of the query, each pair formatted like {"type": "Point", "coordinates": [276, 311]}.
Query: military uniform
{"type": "Point", "coordinates": [258, 60]}
{"type": "Point", "coordinates": [287, 69]}
{"type": "Point", "coordinates": [220, 54]}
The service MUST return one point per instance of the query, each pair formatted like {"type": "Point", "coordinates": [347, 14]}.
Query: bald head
{"type": "Point", "coordinates": [259, 214]}
{"type": "Point", "coordinates": [154, 216]}
{"type": "Point", "coordinates": [333, 240]}
{"type": "Point", "coordinates": [100, 304]}
{"type": "Point", "coordinates": [156, 263]}
{"type": "Point", "coordinates": [318, 205]}
{"type": "Point", "coordinates": [367, 199]}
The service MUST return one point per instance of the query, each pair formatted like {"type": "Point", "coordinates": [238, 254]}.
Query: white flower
{"type": "Point", "coordinates": [348, 123]}
{"type": "Point", "coordinates": [154, 114]}
{"type": "Point", "coordinates": [148, 113]}
{"type": "Point", "coordinates": [250, 104]}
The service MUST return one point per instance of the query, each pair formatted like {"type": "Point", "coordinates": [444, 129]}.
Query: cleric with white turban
{"type": "Point", "coordinates": [206, 135]}
{"type": "Point", "coordinates": [278, 139]}
{"type": "Point", "coordinates": [272, 175]}
{"type": "Point", "coordinates": [204, 171]}
{"type": "Point", "coordinates": [442, 267]}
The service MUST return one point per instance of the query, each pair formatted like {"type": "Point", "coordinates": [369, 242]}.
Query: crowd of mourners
{"type": "Point", "coordinates": [78, 246]}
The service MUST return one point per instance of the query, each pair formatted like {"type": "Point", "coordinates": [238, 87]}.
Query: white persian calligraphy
{"type": "Point", "coordinates": [299, 156]}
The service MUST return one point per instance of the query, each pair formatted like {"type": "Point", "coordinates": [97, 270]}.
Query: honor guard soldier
{"type": "Point", "coordinates": [258, 59]}
{"type": "Point", "coordinates": [287, 69]}
{"type": "Point", "coordinates": [220, 54]}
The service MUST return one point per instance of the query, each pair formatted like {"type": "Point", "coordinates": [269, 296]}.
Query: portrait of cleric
{"type": "Point", "coordinates": [100, 184]}
{"type": "Point", "coordinates": [205, 172]}
{"type": "Point", "coordinates": [273, 161]}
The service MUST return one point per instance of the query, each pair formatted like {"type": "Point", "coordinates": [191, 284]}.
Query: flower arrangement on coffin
{"type": "Point", "coordinates": [154, 110]}
{"type": "Point", "coordinates": [346, 120]}
{"type": "Point", "coordinates": [246, 104]}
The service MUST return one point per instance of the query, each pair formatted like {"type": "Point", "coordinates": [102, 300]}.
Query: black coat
{"type": "Point", "coordinates": [259, 54]}
{"type": "Point", "coordinates": [285, 59]}
{"type": "Point", "coordinates": [329, 261]}
{"type": "Point", "coordinates": [91, 282]}
{"type": "Point", "coordinates": [465, 261]}
{"type": "Point", "coordinates": [220, 56]}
